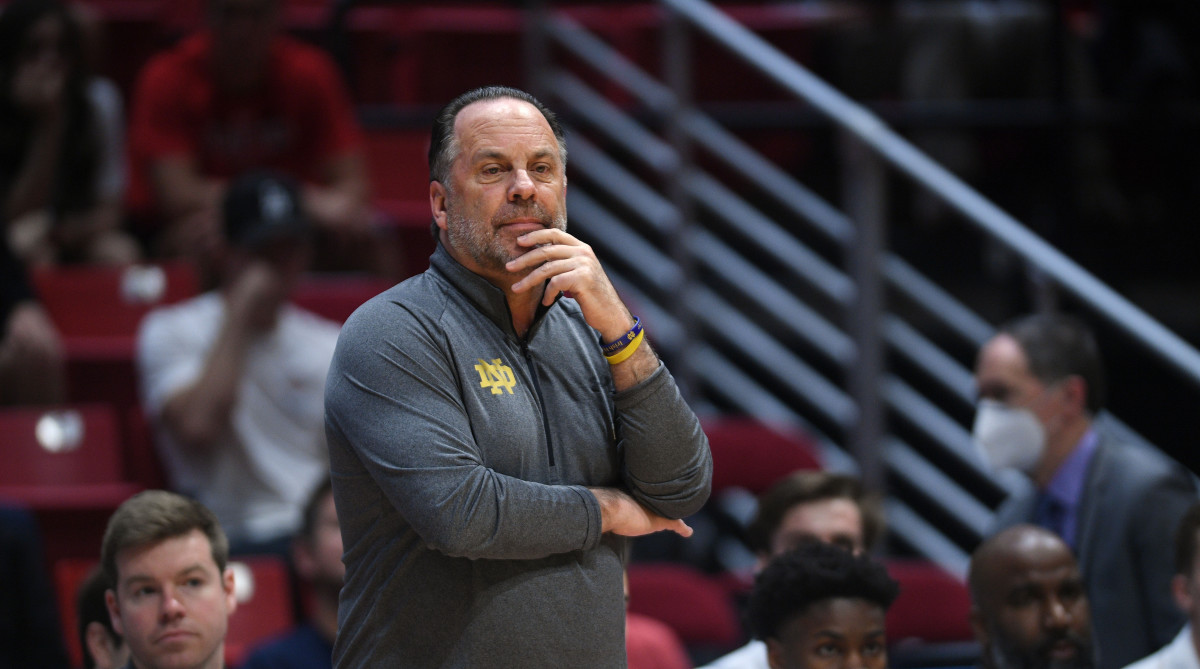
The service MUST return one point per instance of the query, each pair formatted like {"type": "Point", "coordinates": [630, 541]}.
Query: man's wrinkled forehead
{"type": "Point", "coordinates": [487, 126]}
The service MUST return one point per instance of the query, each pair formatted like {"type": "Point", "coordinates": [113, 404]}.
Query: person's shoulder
{"type": "Point", "coordinates": [1134, 461]}
{"type": "Point", "coordinates": [187, 314]}
{"type": "Point", "coordinates": [751, 656]}
{"type": "Point", "coordinates": [302, 62]}
{"type": "Point", "coordinates": [299, 648]}
{"type": "Point", "coordinates": [178, 63]}
{"type": "Point", "coordinates": [420, 298]}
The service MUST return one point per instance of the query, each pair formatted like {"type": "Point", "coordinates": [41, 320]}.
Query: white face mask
{"type": "Point", "coordinates": [1008, 437]}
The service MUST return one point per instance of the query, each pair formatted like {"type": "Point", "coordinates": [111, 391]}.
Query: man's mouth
{"type": "Point", "coordinates": [524, 225]}
{"type": "Point", "coordinates": [1063, 649]}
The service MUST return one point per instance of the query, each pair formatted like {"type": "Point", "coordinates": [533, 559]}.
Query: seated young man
{"type": "Point", "coordinates": [821, 606]}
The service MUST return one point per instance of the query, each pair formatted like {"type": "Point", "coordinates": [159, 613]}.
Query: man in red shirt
{"type": "Point", "coordinates": [236, 96]}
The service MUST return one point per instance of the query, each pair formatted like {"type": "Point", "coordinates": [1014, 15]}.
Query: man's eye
{"type": "Point", "coordinates": [873, 648]}
{"type": "Point", "coordinates": [827, 650]}
{"type": "Point", "coordinates": [1021, 598]}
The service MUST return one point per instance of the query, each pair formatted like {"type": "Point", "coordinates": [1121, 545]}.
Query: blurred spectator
{"type": "Point", "coordinates": [238, 96]}
{"type": "Point", "coordinates": [61, 162]}
{"type": "Point", "coordinates": [172, 588]}
{"type": "Point", "coordinates": [1040, 385]}
{"type": "Point", "coordinates": [317, 558]}
{"type": "Point", "coordinates": [806, 506]}
{"type": "Point", "coordinates": [1184, 651]}
{"type": "Point", "coordinates": [820, 605]}
{"type": "Point", "coordinates": [30, 635]}
{"type": "Point", "coordinates": [1029, 609]}
{"type": "Point", "coordinates": [31, 355]}
{"type": "Point", "coordinates": [651, 643]}
{"type": "Point", "coordinates": [102, 647]}
{"type": "Point", "coordinates": [234, 378]}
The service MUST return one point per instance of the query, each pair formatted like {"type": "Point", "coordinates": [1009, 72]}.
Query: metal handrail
{"type": "Point", "coordinates": [902, 155]}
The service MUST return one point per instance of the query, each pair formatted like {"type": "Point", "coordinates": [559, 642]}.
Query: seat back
{"type": "Point", "coordinates": [69, 574]}
{"type": "Point", "coordinates": [933, 607]}
{"type": "Point", "coordinates": [336, 296]}
{"type": "Point", "coordinates": [697, 607]}
{"type": "Point", "coordinates": [103, 301]}
{"type": "Point", "coordinates": [265, 609]}
{"type": "Point", "coordinates": [60, 446]}
{"type": "Point", "coordinates": [751, 454]}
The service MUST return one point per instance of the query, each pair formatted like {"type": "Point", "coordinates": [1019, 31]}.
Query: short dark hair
{"type": "Point", "coordinates": [1058, 346]}
{"type": "Point", "coordinates": [811, 486]}
{"type": "Point", "coordinates": [442, 146]}
{"type": "Point", "coordinates": [1185, 540]}
{"type": "Point", "coordinates": [152, 516]}
{"type": "Point", "coordinates": [91, 608]}
{"type": "Point", "coordinates": [312, 508]}
{"type": "Point", "coordinates": [814, 572]}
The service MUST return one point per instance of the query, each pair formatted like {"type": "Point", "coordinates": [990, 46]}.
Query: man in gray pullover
{"type": "Point", "coordinates": [498, 425]}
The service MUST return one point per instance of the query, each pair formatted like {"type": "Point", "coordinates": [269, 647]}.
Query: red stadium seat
{"type": "Point", "coordinates": [933, 607]}
{"type": "Point", "coordinates": [97, 310]}
{"type": "Point", "coordinates": [264, 591]}
{"type": "Point", "coordinates": [69, 574]}
{"type": "Point", "coordinates": [63, 456]}
{"type": "Point", "coordinates": [696, 606]}
{"type": "Point", "coordinates": [336, 296]}
{"type": "Point", "coordinates": [753, 455]}
{"type": "Point", "coordinates": [66, 465]}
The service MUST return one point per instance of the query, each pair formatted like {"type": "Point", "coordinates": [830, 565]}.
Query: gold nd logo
{"type": "Point", "coordinates": [495, 375]}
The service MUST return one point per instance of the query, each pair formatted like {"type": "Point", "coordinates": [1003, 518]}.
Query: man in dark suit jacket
{"type": "Point", "coordinates": [1040, 385]}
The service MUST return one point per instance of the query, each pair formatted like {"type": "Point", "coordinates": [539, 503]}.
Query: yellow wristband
{"type": "Point", "coordinates": [623, 354]}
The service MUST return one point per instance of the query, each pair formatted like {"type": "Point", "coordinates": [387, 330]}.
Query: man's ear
{"type": "Point", "coordinates": [302, 558]}
{"type": "Point", "coordinates": [230, 592]}
{"type": "Point", "coordinates": [114, 611]}
{"type": "Point", "coordinates": [1181, 592]}
{"type": "Point", "coordinates": [97, 643]}
{"type": "Point", "coordinates": [1076, 391]}
{"type": "Point", "coordinates": [775, 653]}
{"type": "Point", "coordinates": [437, 204]}
{"type": "Point", "coordinates": [979, 627]}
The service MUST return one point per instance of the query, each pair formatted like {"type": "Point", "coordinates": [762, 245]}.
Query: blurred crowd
{"type": "Point", "coordinates": [238, 150]}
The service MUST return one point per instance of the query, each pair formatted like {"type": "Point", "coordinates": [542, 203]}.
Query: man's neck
{"type": "Point", "coordinates": [325, 613]}
{"type": "Point", "coordinates": [1058, 450]}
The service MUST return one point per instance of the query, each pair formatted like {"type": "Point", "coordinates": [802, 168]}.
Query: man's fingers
{"type": "Point", "coordinates": [681, 528]}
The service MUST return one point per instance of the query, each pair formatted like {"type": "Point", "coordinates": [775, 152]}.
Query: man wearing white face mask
{"type": "Point", "coordinates": [1040, 386]}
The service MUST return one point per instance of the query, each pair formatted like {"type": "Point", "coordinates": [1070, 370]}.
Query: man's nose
{"type": "Point", "coordinates": [1057, 615]}
{"type": "Point", "coordinates": [854, 660]}
{"type": "Point", "coordinates": [522, 186]}
{"type": "Point", "coordinates": [172, 606]}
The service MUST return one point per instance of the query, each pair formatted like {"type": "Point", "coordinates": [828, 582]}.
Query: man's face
{"type": "Point", "coordinates": [835, 521]}
{"type": "Point", "coordinates": [1002, 374]}
{"type": "Point", "coordinates": [508, 179]}
{"type": "Point", "coordinates": [243, 31]}
{"type": "Point", "coordinates": [1186, 589]}
{"type": "Point", "coordinates": [1035, 613]}
{"type": "Point", "coordinates": [172, 604]}
{"type": "Point", "coordinates": [322, 556]}
{"type": "Point", "coordinates": [839, 633]}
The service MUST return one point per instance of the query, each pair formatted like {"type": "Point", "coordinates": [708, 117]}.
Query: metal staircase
{"type": "Point", "coordinates": [772, 301]}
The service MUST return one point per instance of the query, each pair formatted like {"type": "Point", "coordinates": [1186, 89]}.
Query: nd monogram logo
{"type": "Point", "coordinates": [495, 375]}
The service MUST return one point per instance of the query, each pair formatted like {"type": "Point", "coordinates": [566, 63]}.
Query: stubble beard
{"type": "Point", "coordinates": [1003, 655]}
{"type": "Point", "coordinates": [483, 242]}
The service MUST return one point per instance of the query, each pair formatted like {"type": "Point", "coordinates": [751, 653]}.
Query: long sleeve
{"type": "Point", "coordinates": [668, 466]}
